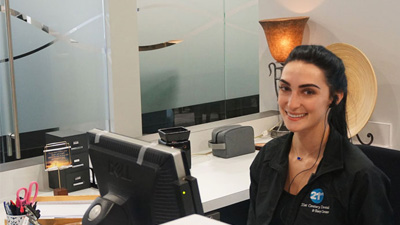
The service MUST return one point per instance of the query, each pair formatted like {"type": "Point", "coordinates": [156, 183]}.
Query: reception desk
{"type": "Point", "coordinates": [222, 182]}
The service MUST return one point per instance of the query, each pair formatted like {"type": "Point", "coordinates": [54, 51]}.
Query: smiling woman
{"type": "Point", "coordinates": [303, 97]}
{"type": "Point", "coordinates": [314, 175]}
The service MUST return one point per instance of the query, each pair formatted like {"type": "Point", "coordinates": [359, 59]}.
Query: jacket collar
{"type": "Point", "coordinates": [333, 155]}
{"type": "Point", "coordinates": [279, 160]}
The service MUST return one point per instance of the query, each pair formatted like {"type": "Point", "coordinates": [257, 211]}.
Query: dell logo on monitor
{"type": "Point", "coordinates": [119, 170]}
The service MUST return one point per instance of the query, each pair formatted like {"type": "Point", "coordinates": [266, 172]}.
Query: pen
{"type": "Point", "coordinates": [7, 208]}
{"type": "Point", "coordinates": [14, 210]}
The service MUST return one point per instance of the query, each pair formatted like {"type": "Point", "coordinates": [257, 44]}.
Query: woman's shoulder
{"type": "Point", "coordinates": [358, 163]}
{"type": "Point", "coordinates": [273, 147]}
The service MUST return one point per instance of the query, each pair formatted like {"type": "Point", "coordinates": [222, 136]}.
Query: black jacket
{"type": "Point", "coordinates": [353, 191]}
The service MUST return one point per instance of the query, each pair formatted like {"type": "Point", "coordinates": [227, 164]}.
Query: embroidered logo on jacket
{"type": "Point", "coordinates": [315, 206]}
{"type": "Point", "coordinates": [317, 195]}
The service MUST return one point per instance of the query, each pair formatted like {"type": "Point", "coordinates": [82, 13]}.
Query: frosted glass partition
{"type": "Point", "coordinates": [60, 66]}
{"type": "Point", "coordinates": [241, 48]}
{"type": "Point", "coordinates": [215, 57]}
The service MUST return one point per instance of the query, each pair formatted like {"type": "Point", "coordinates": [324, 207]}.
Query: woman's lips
{"type": "Point", "coordinates": [295, 116]}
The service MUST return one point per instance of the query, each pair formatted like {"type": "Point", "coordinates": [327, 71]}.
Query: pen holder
{"type": "Point", "coordinates": [17, 220]}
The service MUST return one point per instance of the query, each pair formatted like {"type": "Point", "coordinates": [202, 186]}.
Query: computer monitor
{"type": "Point", "coordinates": [139, 182]}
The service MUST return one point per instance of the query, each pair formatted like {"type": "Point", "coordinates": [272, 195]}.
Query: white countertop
{"type": "Point", "coordinates": [194, 220]}
{"type": "Point", "coordinates": [222, 182]}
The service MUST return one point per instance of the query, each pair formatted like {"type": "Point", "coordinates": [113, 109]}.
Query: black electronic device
{"type": "Point", "coordinates": [183, 146]}
{"type": "Point", "coordinates": [177, 137]}
{"type": "Point", "coordinates": [174, 134]}
{"type": "Point", "coordinates": [139, 182]}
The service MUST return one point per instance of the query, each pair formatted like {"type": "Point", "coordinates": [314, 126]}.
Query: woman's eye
{"type": "Point", "coordinates": [309, 92]}
{"type": "Point", "coordinates": [284, 88]}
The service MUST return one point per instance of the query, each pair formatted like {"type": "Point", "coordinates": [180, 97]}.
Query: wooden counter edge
{"type": "Point", "coordinates": [66, 198]}
{"type": "Point", "coordinates": [58, 221]}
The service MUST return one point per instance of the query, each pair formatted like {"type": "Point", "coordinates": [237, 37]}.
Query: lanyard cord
{"type": "Point", "coordinates": [319, 153]}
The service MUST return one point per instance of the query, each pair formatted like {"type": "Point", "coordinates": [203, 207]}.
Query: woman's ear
{"type": "Point", "coordinates": [336, 99]}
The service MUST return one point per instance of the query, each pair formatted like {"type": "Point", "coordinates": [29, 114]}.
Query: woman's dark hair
{"type": "Point", "coordinates": [334, 71]}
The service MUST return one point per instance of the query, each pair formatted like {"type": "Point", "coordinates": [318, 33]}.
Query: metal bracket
{"type": "Point", "coordinates": [273, 69]}
{"type": "Point", "coordinates": [368, 135]}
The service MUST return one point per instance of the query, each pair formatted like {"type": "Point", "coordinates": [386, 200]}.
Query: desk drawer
{"type": "Point", "coordinates": [73, 181]}
{"type": "Point", "coordinates": [79, 161]}
{"type": "Point", "coordinates": [78, 180]}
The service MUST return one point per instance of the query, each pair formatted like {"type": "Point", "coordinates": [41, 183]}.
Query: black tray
{"type": "Point", "coordinates": [174, 134]}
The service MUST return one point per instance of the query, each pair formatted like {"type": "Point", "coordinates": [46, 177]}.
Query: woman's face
{"type": "Point", "coordinates": [303, 97]}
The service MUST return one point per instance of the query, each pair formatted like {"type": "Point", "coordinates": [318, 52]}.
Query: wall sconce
{"type": "Point", "coordinates": [283, 35]}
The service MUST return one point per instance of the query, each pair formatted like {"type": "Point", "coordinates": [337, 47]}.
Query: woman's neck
{"type": "Point", "coordinates": [310, 143]}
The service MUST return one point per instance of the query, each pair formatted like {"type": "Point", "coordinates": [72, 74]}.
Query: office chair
{"type": "Point", "coordinates": [388, 160]}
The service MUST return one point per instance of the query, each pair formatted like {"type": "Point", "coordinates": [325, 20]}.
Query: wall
{"type": "Point", "coordinates": [367, 24]}
{"type": "Point", "coordinates": [25, 175]}
{"type": "Point", "coordinates": [125, 101]}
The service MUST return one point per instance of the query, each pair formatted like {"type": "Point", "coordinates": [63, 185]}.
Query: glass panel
{"type": "Point", "coordinates": [194, 57]}
{"type": "Point", "coordinates": [190, 72]}
{"type": "Point", "coordinates": [60, 68]}
{"type": "Point", "coordinates": [241, 48]}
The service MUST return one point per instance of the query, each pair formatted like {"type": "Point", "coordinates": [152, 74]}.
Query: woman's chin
{"type": "Point", "coordinates": [292, 126]}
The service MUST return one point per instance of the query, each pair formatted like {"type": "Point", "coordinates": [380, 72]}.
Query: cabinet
{"type": "Point", "coordinates": [76, 177]}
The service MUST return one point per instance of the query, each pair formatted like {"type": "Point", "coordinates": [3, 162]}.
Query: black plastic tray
{"type": "Point", "coordinates": [174, 134]}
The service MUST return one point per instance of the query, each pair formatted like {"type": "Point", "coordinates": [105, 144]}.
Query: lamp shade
{"type": "Point", "coordinates": [283, 34]}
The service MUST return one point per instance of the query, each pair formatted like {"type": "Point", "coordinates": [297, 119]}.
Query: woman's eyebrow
{"type": "Point", "coordinates": [309, 85]}
{"type": "Point", "coordinates": [301, 86]}
{"type": "Point", "coordinates": [284, 81]}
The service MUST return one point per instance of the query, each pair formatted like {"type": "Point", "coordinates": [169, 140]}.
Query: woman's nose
{"type": "Point", "coordinates": [294, 101]}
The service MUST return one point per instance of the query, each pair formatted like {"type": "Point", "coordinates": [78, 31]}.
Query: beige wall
{"type": "Point", "coordinates": [371, 26]}
{"type": "Point", "coordinates": [125, 104]}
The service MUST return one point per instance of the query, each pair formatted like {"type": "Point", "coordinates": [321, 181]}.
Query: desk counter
{"type": "Point", "coordinates": [222, 182]}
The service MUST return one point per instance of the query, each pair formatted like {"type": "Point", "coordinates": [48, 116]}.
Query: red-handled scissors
{"type": "Point", "coordinates": [26, 200]}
